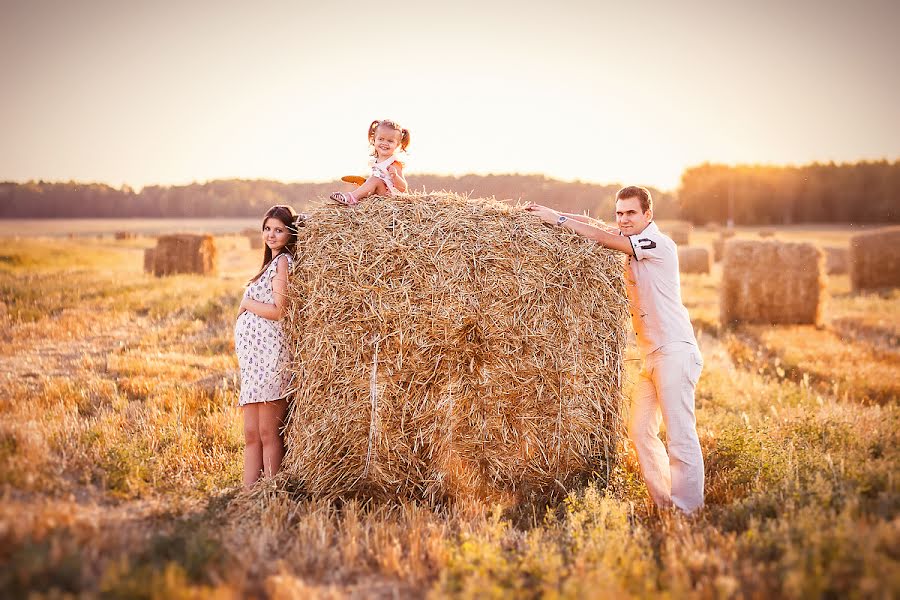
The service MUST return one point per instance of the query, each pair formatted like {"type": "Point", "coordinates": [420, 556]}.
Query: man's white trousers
{"type": "Point", "coordinates": [665, 393]}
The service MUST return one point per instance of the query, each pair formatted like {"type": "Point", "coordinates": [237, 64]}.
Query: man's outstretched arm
{"type": "Point", "coordinates": [592, 221]}
{"type": "Point", "coordinates": [588, 230]}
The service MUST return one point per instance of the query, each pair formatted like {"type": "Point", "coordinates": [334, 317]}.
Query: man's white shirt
{"type": "Point", "coordinates": [654, 292]}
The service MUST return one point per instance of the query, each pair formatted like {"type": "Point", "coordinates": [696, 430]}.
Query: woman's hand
{"type": "Point", "coordinates": [243, 307]}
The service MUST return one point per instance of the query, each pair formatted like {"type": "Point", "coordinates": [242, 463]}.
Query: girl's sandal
{"type": "Point", "coordinates": [343, 198]}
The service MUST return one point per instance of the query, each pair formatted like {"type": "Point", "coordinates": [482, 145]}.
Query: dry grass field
{"type": "Point", "coordinates": [121, 447]}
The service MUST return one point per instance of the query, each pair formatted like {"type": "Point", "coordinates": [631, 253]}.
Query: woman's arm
{"type": "Point", "coordinates": [273, 312]}
{"type": "Point", "coordinates": [396, 173]}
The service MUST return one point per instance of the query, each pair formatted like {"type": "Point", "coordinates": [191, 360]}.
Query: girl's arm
{"type": "Point", "coordinates": [397, 177]}
{"type": "Point", "coordinates": [273, 312]}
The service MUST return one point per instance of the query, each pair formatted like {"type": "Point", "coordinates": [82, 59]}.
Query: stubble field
{"type": "Point", "coordinates": [121, 446]}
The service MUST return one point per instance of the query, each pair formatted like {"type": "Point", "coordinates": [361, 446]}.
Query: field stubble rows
{"type": "Point", "coordinates": [120, 459]}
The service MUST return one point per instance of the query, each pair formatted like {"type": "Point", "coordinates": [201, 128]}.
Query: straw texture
{"type": "Point", "coordinates": [446, 347]}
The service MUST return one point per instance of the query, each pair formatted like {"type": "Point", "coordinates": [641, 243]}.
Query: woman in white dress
{"type": "Point", "coordinates": [261, 347]}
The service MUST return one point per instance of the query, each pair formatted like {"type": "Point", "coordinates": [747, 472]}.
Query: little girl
{"type": "Point", "coordinates": [386, 137]}
{"type": "Point", "coordinates": [262, 349]}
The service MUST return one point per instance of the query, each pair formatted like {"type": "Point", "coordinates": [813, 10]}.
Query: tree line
{"type": "Point", "coordinates": [862, 192]}
{"type": "Point", "coordinates": [251, 198]}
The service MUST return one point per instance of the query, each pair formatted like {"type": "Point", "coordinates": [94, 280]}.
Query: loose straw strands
{"type": "Point", "coordinates": [447, 347]}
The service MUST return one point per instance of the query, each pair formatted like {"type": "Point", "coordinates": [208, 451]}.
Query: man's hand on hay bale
{"type": "Point", "coordinates": [547, 215]}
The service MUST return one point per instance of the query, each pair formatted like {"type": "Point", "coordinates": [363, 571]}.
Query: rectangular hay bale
{"type": "Point", "coordinates": [772, 282]}
{"type": "Point", "coordinates": [185, 253]}
{"type": "Point", "coordinates": [875, 259]}
{"type": "Point", "coordinates": [678, 231]}
{"type": "Point", "coordinates": [149, 259]}
{"type": "Point", "coordinates": [693, 259]}
{"type": "Point", "coordinates": [837, 260]}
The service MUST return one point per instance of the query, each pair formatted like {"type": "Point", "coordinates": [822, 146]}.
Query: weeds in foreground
{"type": "Point", "coordinates": [120, 461]}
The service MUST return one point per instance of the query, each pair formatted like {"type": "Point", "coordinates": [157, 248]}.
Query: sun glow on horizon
{"type": "Point", "coordinates": [594, 92]}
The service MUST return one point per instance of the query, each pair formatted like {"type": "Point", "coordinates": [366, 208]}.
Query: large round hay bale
{"type": "Point", "coordinates": [447, 347]}
{"type": "Point", "coordinates": [185, 253]}
{"type": "Point", "coordinates": [772, 282]}
{"type": "Point", "coordinates": [837, 260]}
{"type": "Point", "coordinates": [875, 259]}
{"type": "Point", "coordinates": [692, 259]}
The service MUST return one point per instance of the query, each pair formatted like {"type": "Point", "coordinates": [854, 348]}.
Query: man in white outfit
{"type": "Point", "coordinates": [665, 338]}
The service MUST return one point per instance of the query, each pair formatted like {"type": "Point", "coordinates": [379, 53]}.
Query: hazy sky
{"type": "Point", "coordinates": [171, 92]}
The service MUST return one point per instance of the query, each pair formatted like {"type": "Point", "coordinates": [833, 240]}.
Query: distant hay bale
{"type": "Point", "coordinates": [678, 231]}
{"type": "Point", "coordinates": [149, 259]}
{"type": "Point", "coordinates": [692, 259]}
{"type": "Point", "coordinates": [837, 260]}
{"type": "Point", "coordinates": [718, 244]}
{"type": "Point", "coordinates": [875, 259]}
{"type": "Point", "coordinates": [124, 235]}
{"type": "Point", "coordinates": [184, 253]}
{"type": "Point", "coordinates": [450, 348]}
{"type": "Point", "coordinates": [767, 232]}
{"type": "Point", "coordinates": [255, 238]}
{"type": "Point", "coordinates": [772, 282]}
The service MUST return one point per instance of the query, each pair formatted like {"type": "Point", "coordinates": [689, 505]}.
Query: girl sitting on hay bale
{"type": "Point", "coordinates": [261, 347]}
{"type": "Point", "coordinates": [386, 137]}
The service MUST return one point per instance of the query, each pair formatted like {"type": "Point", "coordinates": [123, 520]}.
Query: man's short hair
{"type": "Point", "coordinates": [636, 191]}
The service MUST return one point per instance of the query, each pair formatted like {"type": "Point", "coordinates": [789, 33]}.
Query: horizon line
{"type": "Point", "coordinates": [736, 165]}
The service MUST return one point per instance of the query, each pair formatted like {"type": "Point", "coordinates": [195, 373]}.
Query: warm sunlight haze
{"type": "Point", "coordinates": [598, 91]}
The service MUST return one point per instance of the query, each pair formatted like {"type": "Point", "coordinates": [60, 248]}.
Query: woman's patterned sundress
{"type": "Point", "coordinates": [261, 345]}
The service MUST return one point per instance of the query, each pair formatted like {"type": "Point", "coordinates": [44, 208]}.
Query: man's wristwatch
{"type": "Point", "coordinates": [562, 219]}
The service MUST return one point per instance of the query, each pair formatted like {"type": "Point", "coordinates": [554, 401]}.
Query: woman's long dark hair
{"type": "Point", "coordinates": [291, 220]}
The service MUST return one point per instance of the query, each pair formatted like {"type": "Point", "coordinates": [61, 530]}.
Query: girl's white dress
{"type": "Point", "coordinates": [380, 170]}
{"type": "Point", "coordinates": [261, 345]}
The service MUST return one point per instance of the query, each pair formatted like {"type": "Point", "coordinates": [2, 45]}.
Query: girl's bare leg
{"type": "Point", "coordinates": [253, 448]}
{"type": "Point", "coordinates": [373, 185]}
{"type": "Point", "coordinates": [271, 421]}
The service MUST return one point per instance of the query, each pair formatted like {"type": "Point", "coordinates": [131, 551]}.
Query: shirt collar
{"type": "Point", "coordinates": [650, 228]}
